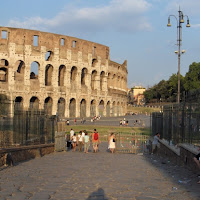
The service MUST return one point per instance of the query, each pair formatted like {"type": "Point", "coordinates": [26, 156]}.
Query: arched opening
{"type": "Point", "coordinates": [118, 82]}
{"type": "Point", "coordinates": [94, 62]}
{"type": "Point", "coordinates": [83, 108]}
{"type": "Point", "coordinates": [49, 56]}
{"type": "Point", "coordinates": [34, 71]}
{"type": "Point", "coordinates": [61, 75]}
{"type": "Point", "coordinates": [18, 106]}
{"type": "Point", "coordinates": [109, 80]}
{"type": "Point", "coordinates": [73, 74]}
{"type": "Point", "coordinates": [102, 77]}
{"type": "Point", "coordinates": [93, 108]}
{"type": "Point", "coordinates": [93, 80]}
{"type": "Point", "coordinates": [114, 80]}
{"type": "Point", "coordinates": [48, 102]}
{"type": "Point", "coordinates": [114, 109]}
{"type": "Point", "coordinates": [20, 67]}
{"type": "Point", "coordinates": [101, 107]}
{"type": "Point", "coordinates": [72, 108]}
{"type": "Point", "coordinates": [108, 109]}
{"type": "Point", "coordinates": [48, 75]}
{"type": "Point", "coordinates": [61, 108]}
{"type": "Point", "coordinates": [3, 70]}
{"type": "Point", "coordinates": [34, 103]}
{"type": "Point", "coordinates": [83, 76]}
{"type": "Point", "coordinates": [3, 74]}
{"type": "Point", "coordinates": [118, 109]}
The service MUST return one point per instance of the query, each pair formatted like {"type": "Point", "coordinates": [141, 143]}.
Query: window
{"type": "Point", "coordinates": [74, 44]}
{"type": "Point", "coordinates": [4, 34]}
{"type": "Point", "coordinates": [35, 40]}
{"type": "Point", "coordinates": [62, 42]}
{"type": "Point", "coordinates": [94, 51]}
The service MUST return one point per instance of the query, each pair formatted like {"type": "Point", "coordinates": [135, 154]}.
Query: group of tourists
{"type": "Point", "coordinates": [83, 140]}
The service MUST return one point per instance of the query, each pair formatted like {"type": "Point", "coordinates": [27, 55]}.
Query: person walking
{"type": "Point", "coordinates": [95, 140]}
{"type": "Point", "coordinates": [86, 142]}
{"type": "Point", "coordinates": [112, 142]}
{"type": "Point", "coordinates": [155, 142]}
{"type": "Point", "coordinates": [74, 141]}
{"type": "Point", "coordinates": [80, 141]}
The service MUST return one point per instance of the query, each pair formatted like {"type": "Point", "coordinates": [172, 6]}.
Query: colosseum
{"type": "Point", "coordinates": [63, 75]}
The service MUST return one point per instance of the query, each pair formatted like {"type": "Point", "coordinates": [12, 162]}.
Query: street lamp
{"type": "Point", "coordinates": [179, 20]}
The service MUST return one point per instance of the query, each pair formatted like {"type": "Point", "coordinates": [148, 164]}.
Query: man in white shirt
{"type": "Point", "coordinates": [155, 142]}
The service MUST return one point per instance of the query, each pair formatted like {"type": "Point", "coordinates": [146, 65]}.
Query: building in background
{"type": "Point", "coordinates": [136, 96]}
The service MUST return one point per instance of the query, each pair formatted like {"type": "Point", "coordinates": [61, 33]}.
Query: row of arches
{"type": "Point", "coordinates": [73, 108]}
{"type": "Point", "coordinates": [93, 79]}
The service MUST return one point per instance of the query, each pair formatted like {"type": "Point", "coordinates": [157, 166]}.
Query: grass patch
{"type": "Point", "coordinates": [106, 130]}
{"type": "Point", "coordinates": [143, 110]}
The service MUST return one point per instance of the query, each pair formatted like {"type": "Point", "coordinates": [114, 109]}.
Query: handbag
{"type": "Point", "coordinates": [113, 140]}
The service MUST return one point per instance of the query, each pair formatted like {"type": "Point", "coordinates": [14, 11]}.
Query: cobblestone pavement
{"type": "Point", "coordinates": [102, 175]}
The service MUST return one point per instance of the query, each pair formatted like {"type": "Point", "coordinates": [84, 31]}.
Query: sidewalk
{"type": "Point", "coordinates": [102, 175]}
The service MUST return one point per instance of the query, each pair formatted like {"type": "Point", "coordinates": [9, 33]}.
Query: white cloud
{"type": "Point", "coordinates": [117, 15]}
{"type": "Point", "coordinates": [189, 7]}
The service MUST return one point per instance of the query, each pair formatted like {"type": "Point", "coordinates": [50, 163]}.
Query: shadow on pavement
{"type": "Point", "coordinates": [97, 195]}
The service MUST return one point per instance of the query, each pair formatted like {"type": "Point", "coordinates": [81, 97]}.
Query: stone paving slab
{"type": "Point", "coordinates": [95, 176]}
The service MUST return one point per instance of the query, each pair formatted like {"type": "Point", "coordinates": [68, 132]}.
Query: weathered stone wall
{"type": "Point", "coordinates": [182, 155]}
{"type": "Point", "coordinates": [65, 75]}
{"type": "Point", "coordinates": [26, 153]}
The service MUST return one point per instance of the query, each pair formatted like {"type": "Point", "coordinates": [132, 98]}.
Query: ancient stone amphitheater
{"type": "Point", "coordinates": [63, 75]}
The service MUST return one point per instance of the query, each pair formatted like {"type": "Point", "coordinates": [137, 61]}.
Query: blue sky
{"type": "Point", "coordinates": [135, 30]}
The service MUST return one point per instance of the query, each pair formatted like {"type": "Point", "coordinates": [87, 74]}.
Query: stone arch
{"type": "Point", "coordinates": [48, 75]}
{"type": "Point", "coordinates": [20, 68]}
{"type": "Point", "coordinates": [118, 81]}
{"type": "Point", "coordinates": [114, 108]}
{"type": "Point", "coordinates": [4, 70]}
{"type": "Point", "coordinates": [84, 72]}
{"type": "Point", "coordinates": [93, 108]}
{"type": "Point", "coordinates": [101, 108]}
{"type": "Point", "coordinates": [49, 56]}
{"type": "Point", "coordinates": [61, 75]}
{"type": "Point", "coordinates": [102, 79]}
{"type": "Point", "coordinates": [18, 106]}
{"type": "Point", "coordinates": [34, 103]}
{"type": "Point", "coordinates": [83, 108]}
{"type": "Point", "coordinates": [94, 62]}
{"type": "Point", "coordinates": [122, 82]}
{"type": "Point", "coordinates": [73, 74]}
{"type": "Point", "coordinates": [48, 104]}
{"type": "Point", "coordinates": [118, 109]}
{"type": "Point", "coordinates": [109, 80]}
{"type": "Point", "coordinates": [114, 80]}
{"type": "Point", "coordinates": [3, 74]}
{"type": "Point", "coordinates": [61, 107]}
{"type": "Point", "coordinates": [34, 71]}
{"type": "Point", "coordinates": [93, 79]}
{"type": "Point", "coordinates": [108, 109]}
{"type": "Point", "coordinates": [72, 107]}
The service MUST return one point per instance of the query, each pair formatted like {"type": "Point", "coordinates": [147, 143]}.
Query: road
{"type": "Point", "coordinates": [97, 176]}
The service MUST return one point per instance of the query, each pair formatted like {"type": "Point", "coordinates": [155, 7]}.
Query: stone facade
{"type": "Point", "coordinates": [64, 75]}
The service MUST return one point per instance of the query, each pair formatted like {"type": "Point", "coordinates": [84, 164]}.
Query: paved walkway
{"type": "Point", "coordinates": [74, 175]}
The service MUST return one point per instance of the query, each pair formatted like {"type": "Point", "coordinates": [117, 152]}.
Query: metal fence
{"type": "Point", "coordinates": [179, 123]}
{"type": "Point", "coordinates": [27, 128]}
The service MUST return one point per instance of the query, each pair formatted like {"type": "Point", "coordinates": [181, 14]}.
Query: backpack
{"type": "Point", "coordinates": [96, 136]}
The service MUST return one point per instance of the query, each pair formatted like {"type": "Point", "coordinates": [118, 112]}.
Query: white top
{"type": "Point", "coordinates": [80, 138]}
{"type": "Point", "coordinates": [71, 133]}
{"type": "Point", "coordinates": [83, 134]}
{"type": "Point", "coordinates": [74, 138]}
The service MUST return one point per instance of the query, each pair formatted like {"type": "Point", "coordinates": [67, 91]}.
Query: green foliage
{"type": "Point", "coordinates": [192, 77]}
{"type": "Point", "coordinates": [166, 91]}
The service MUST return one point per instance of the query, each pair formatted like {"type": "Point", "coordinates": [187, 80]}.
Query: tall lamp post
{"type": "Point", "coordinates": [180, 20]}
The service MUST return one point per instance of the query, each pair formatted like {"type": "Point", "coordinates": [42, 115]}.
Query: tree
{"type": "Point", "coordinates": [192, 77]}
